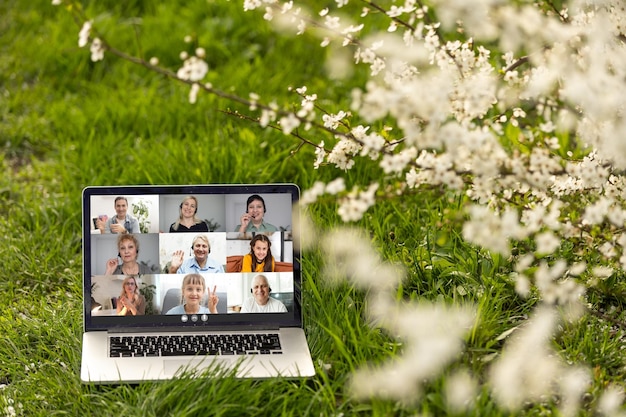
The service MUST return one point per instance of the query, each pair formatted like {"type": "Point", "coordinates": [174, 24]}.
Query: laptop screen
{"type": "Point", "coordinates": [190, 255]}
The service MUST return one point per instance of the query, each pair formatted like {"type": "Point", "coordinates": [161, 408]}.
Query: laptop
{"type": "Point", "coordinates": [171, 286]}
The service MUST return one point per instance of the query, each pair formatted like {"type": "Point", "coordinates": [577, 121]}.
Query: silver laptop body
{"type": "Point", "coordinates": [141, 266]}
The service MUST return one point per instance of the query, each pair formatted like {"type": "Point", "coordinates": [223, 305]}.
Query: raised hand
{"type": "Point", "coordinates": [177, 261]}
{"type": "Point", "coordinates": [110, 266]}
{"type": "Point", "coordinates": [244, 221]}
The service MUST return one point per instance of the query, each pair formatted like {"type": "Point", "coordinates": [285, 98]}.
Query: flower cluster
{"type": "Point", "coordinates": [356, 202]}
{"type": "Point", "coordinates": [96, 47]}
{"type": "Point", "coordinates": [523, 137]}
{"type": "Point", "coordinates": [433, 338]}
{"type": "Point", "coordinates": [194, 69]}
{"type": "Point", "coordinates": [319, 189]}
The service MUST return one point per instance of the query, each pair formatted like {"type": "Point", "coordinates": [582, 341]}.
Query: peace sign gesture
{"type": "Point", "coordinates": [213, 300]}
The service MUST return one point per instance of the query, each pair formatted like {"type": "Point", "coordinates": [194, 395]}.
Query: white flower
{"type": "Point", "coordinates": [193, 93]}
{"type": "Point", "coordinates": [522, 285]}
{"type": "Point", "coordinates": [307, 105]}
{"type": "Point", "coordinates": [97, 50]}
{"type": "Point", "coordinates": [602, 271]}
{"type": "Point", "coordinates": [336, 186]}
{"type": "Point", "coordinates": [83, 35]}
{"type": "Point", "coordinates": [331, 121]}
{"type": "Point", "coordinates": [611, 401]}
{"type": "Point", "coordinates": [547, 242]}
{"type": "Point", "coordinates": [267, 116]}
{"type": "Point", "coordinates": [349, 256]}
{"type": "Point", "coordinates": [433, 337]}
{"type": "Point", "coordinates": [460, 391]}
{"type": "Point", "coordinates": [254, 99]}
{"type": "Point", "coordinates": [351, 209]}
{"type": "Point", "coordinates": [193, 69]}
{"type": "Point", "coordinates": [396, 163]}
{"type": "Point", "coordinates": [289, 123]}
{"type": "Point", "coordinates": [528, 367]}
{"type": "Point", "coordinates": [372, 145]}
{"type": "Point", "coordinates": [352, 206]}
{"type": "Point", "coordinates": [342, 153]}
{"type": "Point", "coordinates": [320, 154]}
{"type": "Point", "coordinates": [332, 22]}
{"type": "Point", "coordinates": [577, 269]}
{"type": "Point", "coordinates": [491, 230]}
{"type": "Point", "coordinates": [414, 178]}
{"type": "Point", "coordinates": [154, 61]}
{"type": "Point", "coordinates": [251, 4]}
{"type": "Point", "coordinates": [395, 11]}
{"type": "Point", "coordinates": [311, 195]}
{"type": "Point", "coordinates": [607, 249]}
{"type": "Point", "coordinates": [573, 384]}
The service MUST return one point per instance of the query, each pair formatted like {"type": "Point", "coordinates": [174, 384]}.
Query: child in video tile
{"type": "Point", "coordinates": [261, 302]}
{"type": "Point", "coordinates": [260, 258]}
{"type": "Point", "coordinates": [193, 290]}
{"type": "Point", "coordinates": [130, 302]}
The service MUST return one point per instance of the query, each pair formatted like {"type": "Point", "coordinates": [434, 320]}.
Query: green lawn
{"type": "Point", "coordinates": [67, 122]}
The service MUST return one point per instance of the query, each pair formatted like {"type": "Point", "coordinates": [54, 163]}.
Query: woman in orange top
{"type": "Point", "coordinates": [260, 258]}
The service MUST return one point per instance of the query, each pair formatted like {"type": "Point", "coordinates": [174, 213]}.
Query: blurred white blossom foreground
{"type": "Point", "coordinates": [432, 335]}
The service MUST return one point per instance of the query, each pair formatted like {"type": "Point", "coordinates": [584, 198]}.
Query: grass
{"type": "Point", "coordinates": [67, 123]}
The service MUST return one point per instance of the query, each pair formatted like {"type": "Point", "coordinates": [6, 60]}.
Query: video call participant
{"type": "Point", "coordinates": [261, 302]}
{"type": "Point", "coordinates": [260, 258]}
{"type": "Point", "coordinates": [193, 289]}
{"type": "Point", "coordinates": [199, 262]}
{"type": "Point", "coordinates": [130, 302]}
{"type": "Point", "coordinates": [127, 251]}
{"type": "Point", "coordinates": [122, 222]}
{"type": "Point", "coordinates": [252, 219]}
{"type": "Point", "coordinates": [187, 220]}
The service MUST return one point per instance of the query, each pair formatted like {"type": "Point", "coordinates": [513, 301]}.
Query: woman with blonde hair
{"type": "Point", "coordinates": [187, 220]}
{"type": "Point", "coordinates": [130, 302]}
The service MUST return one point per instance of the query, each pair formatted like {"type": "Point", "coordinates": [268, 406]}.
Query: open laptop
{"type": "Point", "coordinates": [164, 290]}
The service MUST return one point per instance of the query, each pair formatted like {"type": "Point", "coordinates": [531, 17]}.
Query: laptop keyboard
{"type": "Point", "coordinates": [184, 345]}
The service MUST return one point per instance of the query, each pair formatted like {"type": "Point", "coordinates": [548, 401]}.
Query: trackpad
{"type": "Point", "coordinates": [220, 364]}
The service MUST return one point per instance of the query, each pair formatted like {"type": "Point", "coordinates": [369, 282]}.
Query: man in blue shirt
{"type": "Point", "coordinates": [199, 263]}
